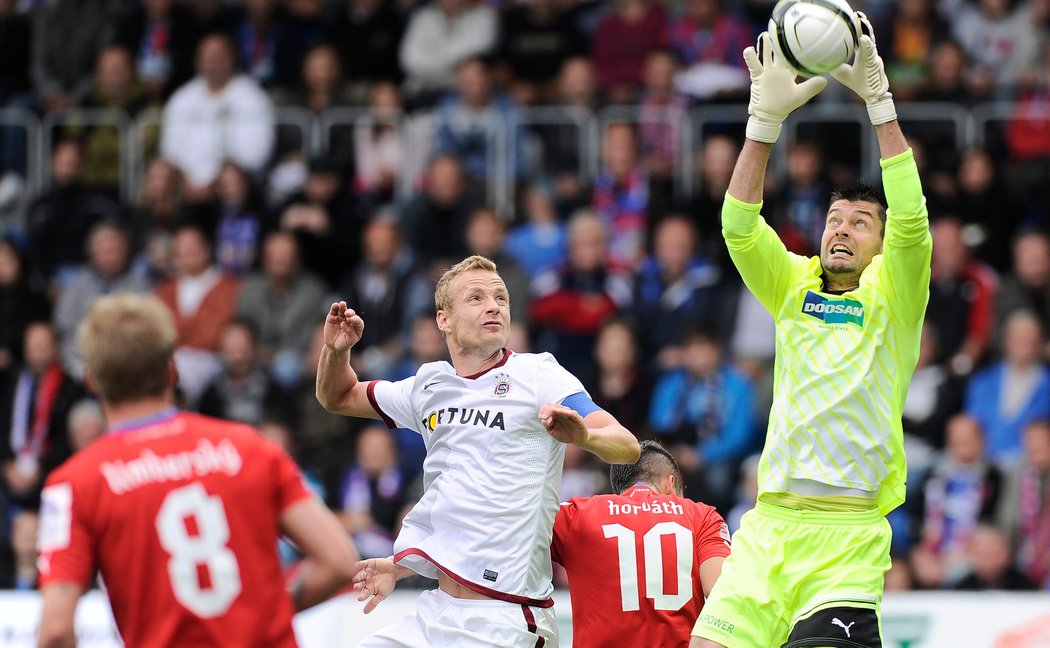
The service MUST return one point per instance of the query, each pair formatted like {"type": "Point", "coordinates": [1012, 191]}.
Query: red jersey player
{"type": "Point", "coordinates": [180, 513]}
{"type": "Point", "coordinates": [639, 561]}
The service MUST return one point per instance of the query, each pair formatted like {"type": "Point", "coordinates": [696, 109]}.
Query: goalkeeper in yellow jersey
{"type": "Point", "coordinates": [808, 561]}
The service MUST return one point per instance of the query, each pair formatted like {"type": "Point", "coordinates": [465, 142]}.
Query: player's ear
{"type": "Point", "coordinates": [442, 320]}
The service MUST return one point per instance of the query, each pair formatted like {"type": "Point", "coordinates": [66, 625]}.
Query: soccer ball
{"type": "Point", "coordinates": [813, 36]}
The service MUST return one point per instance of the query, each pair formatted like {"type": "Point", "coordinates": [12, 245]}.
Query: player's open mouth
{"type": "Point", "coordinates": [838, 247]}
{"type": "Point", "coordinates": [493, 324]}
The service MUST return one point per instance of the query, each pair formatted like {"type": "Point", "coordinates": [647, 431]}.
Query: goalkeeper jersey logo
{"type": "Point", "coordinates": [833, 311]}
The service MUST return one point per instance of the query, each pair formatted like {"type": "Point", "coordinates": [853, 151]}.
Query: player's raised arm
{"type": "Point", "coordinates": [598, 432]}
{"type": "Point", "coordinates": [338, 389]}
{"type": "Point", "coordinates": [907, 243]}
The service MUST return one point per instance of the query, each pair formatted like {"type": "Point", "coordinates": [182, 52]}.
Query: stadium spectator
{"type": "Point", "coordinates": [580, 477]}
{"type": "Point", "coordinates": [934, 394]}
{"type": "Point", "coordinates": [948, 79]}
{"type": "Point", "coordinates": [561, 159]}
{"type": "Point", "coordinates": [159, 203]}
{"type": "Point", "coordinates": [161, 35]}
{"type": "Point", "coordinates": [15, 90]}
{"type": "Point", "coordinates": [798, 210]}
{"type": "Point", "coordinates": [990, 564]}
{"type": "Point", "coordinates": [477, 122]}
{"type": "Point", "coordinates": [20, 304]}
{"type": "Point", "coordinates": [998, 37]}
{"type": "Point", "coordinates": [1010, 394]}
{"type": "Point", "coordinates": [912, 30]}
{"type": "Point", "coordinates": [570, 305]}
{"type": "Point", "coordinates": [1028, 286]}
{"type": "Point", "coordinates": [706, 38]}
{"type": "Point", "coordinates": [986, 206]}
{"type": "Point", "coordinates": [962, 299]}
{"type": "Point", "coordinates": [240, 210]}
{"type": "Point", "coordinates": [34, 408]}
{"type": "Point", "coordinates": [435, 220]}
{"type": "Point", "coordinates": [1024, 508]}
{"type": "Point", "coordinates": [281, 302]}
{"type": "Point", "coordinates": [714, 167]}
{"type": "Point", "coordinates": [325, 218]}
{"type": "Point", "coordinates": [538, 243]}
{"type": "Point", "coordinates": [485, 235]}
{"type": "Point", "coordinates": [320, 82]}
{"type": "Point", "coordinates": [223, 481]}
{"type": "Point", "coordinates": [218, 116]}
{"type": "Point", "coordinates": [202, 299]}
{"type": "Point", "coordinates": [59, 219]}
{"type": "Point", "coordinates": [962, 491]}
{"type": "Point", "coordinates": [610, 598]}
{"type": "Point", "coordinates": [622, 386]}
{"type": "Point", "coordinates": [86, 424]}
{"type": "Point", "coordinates": [1027, 137]}
{"type": "Point", "coordinates": [661, 112]}
{"type": "Point", "coordinates": [381, 156]}
{"type": "Point", "coordinates": [704, 412]}
{"type": "Point", "coordinates": [115, 94]}
{"type": "Point", "coordinates": [622, 196]}
{"type": "Point", "coordinates": [108, 271]}
{"type": "Point", "coordinates": [243, 390]}
{"type": "Point", "coordinates": [621, 41]}
{"type": "Point", "coordinates": [441, 35]}
{"type": "Point", "coordinates": [368, 35]}
{"type": "Point", "coordinates": [675, 290]}
{"type": "Point", "coordinates": [472, 529]}
{"type": "Point", "coordinates": [386, 284]}
{"type": "Point", "coordinates": [24, 529]}
{"type": "Point", "coordinates": [374, 493]}
{"type": "Point", "coordinates": [536, 38]}
{"type": "Point", "coordinates": [263, 42]}
{"type": "Point", "coordinates": [67, 37]}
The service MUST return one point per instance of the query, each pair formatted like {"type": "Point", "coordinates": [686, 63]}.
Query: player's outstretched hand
{"type": "Point", "coordinates": [375, 579]}
{"type": "Point", "coordinates": [564, 424]}
{"type": "Point", "coordinates": [774, 93]}
{"type": "Point", "coordinates": [342, 327]}
{"type": "Point", "coordinates": [866, 76]}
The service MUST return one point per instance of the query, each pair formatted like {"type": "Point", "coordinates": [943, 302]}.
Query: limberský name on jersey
{"type": "Point", "coordinates": [670, 508]}
{"type": "Point", "coordinates": [464, 416]}
{"type": "Point", "coordinates": [150, 468]}
{"type": "Point", "coordinates": [833, 311]}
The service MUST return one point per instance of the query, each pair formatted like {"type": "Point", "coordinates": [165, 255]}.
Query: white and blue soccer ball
{"type": "Point", "coordinates": [814, 36]}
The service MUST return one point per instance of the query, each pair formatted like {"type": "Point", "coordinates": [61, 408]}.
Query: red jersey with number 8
{"type": "Point", "coordinates": [180, 515]}
{"type": "Point", "coordinates": [633, 562]}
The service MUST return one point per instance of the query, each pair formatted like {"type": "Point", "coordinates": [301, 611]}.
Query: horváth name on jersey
{"type": "Point", "coordinates": [150, 468]}
{"type": "Point", "coordinates": [670, 508]}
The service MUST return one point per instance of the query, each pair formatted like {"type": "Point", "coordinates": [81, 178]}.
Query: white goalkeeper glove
{"type": "Point", "coordinates": [867, 76]}
{"type": "Point", "coordinates": [774, 93]}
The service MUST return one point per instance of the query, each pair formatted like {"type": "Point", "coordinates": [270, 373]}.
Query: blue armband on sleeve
{"type": "Point", "coordinates": [581, 403]}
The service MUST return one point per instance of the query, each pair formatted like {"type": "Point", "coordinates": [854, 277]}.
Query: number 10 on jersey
{"type": "Point", "coordinates": [653, 562]}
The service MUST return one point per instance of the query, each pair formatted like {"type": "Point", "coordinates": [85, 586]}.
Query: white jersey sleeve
{"type": "Point", "coordinates": [393, 402]}
{"type": "Point", "coordinates": [554, 382]}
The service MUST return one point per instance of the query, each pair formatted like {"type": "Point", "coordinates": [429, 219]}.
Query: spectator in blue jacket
{"type": "Point", "coordinates": [706, 412]}
{"type": "Point", "coordinates": [1009, 395]}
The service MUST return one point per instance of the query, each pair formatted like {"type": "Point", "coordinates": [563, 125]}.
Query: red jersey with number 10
{"type": "Point", "coordinates": [180, 514]}
{"type": "Point", "coordinates": [633, 562]}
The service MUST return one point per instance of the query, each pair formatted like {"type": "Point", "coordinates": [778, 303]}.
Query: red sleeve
{"type": "Point", "coordinates": [290, 485]}
{"type": "Point", "coordinates": [65, 542]}
{"type": "Point", "coordinates": [712, 537]}
{"type": "Point", "coordinates": [982, 307]}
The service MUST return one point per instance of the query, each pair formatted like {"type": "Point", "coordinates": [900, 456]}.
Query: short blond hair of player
{"type": "Point", "coordinates": [443, 292]}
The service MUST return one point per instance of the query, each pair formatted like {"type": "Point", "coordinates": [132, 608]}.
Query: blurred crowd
{"type": "Point", "coordinates": [616, 270]}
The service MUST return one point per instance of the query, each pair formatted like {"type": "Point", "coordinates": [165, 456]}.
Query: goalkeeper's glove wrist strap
{"type": "Point", "coordinates": [762, 130]}
{"type": "Point", "coordinates": [882, 110]}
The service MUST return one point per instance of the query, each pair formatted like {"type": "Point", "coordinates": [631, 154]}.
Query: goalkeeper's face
{"type": "Point", "coordinates": [852, 237]}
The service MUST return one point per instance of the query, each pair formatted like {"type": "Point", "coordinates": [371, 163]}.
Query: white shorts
{"type": "Point", "coordinates": [442, 620]}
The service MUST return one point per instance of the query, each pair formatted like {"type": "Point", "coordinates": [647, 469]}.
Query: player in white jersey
{"type": "Point", "coordinates": [808, 561]}
{"type": "Point", "coordinates": [495, 425]}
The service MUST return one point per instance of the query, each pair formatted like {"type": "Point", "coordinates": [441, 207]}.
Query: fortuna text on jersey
{"type": "Point", "coordinates": [467, 416]}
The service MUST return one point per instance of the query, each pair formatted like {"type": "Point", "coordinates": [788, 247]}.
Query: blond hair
{"type": "Point", "coordinates": [443, 292]}
{"type": "Point", "coordinates": [127, 342]}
